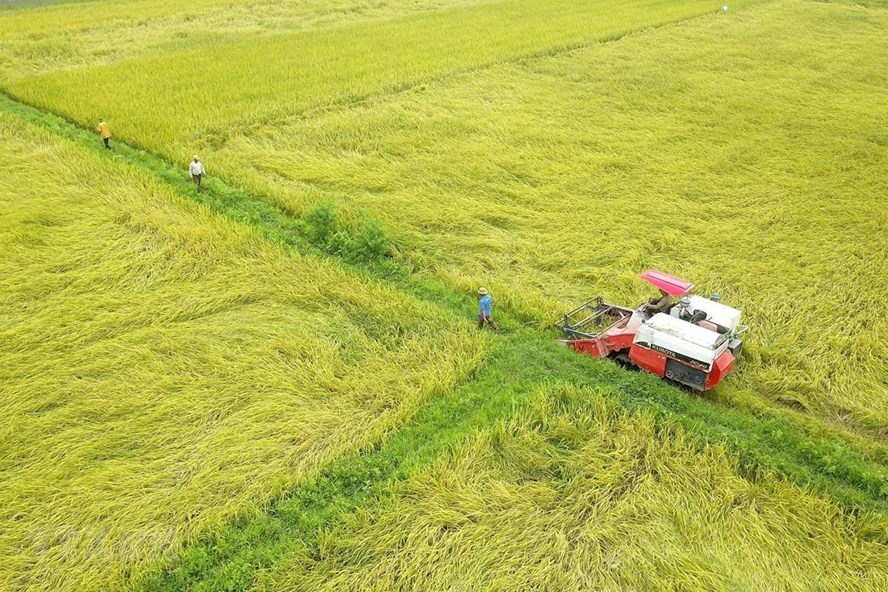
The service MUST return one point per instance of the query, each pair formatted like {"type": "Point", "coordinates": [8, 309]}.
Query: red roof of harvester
{"type": "Point", "coordinates": [672, 285]}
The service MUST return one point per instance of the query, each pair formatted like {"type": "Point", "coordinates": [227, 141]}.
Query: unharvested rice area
{"type": "Point", "coordinates": [105, 31]}
{"type": "Point", "coordinates": [746, 152]}
{"type": "Point", "coordinates": [195, 98]}
{"type": "Point", "coordinates": [573, 495]}
{"type": "Point", "coordinates": [164, 370]}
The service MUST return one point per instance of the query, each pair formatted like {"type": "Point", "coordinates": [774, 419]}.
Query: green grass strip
{"type": "Point", "coordinates": [524, 359]}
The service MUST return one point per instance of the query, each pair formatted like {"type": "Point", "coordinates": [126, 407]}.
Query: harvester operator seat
{"type": "Point", "coordinates": [657, 304]}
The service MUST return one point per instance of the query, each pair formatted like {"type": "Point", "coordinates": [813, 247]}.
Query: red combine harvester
{"type": "Point", "coordinates": [693, 343]}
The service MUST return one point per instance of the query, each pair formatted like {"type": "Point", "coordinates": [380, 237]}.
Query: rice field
{"type": "Point", "coordinates": [574, 494]}
{"type": "Point", "coordinates": [741, 150]}
{"type": "Point", "coordinates": [176, 101]}
{"type": "Point", "coordinates": [165, 370]}
{"type": "Point", "coordinates": [102, 32]}
{"type": "Point", "coordinates": [744, 153]}
{"type": "Point", "coordinates": [175, 368]}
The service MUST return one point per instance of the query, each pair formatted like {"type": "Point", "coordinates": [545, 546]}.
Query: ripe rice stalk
{"type": "Point", "coordinates": [575, 494]}
{"type": "Point", "coordinates": [165, 370]}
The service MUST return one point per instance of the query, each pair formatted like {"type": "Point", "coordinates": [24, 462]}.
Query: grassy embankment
{"type": "Point", "coordinates": [165, 370]}
{"type": "Point", "coordinates": [740, 150]}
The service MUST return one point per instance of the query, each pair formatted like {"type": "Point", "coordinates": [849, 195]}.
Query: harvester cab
{"type": "Point", "coordinates": [696, 354]}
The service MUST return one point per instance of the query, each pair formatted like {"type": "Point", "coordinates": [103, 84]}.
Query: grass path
{"type": "Point", "coordinates": [849, 469]}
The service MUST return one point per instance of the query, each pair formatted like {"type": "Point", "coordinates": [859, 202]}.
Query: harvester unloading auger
{"type": "Point", "coordinates": [697, 353]}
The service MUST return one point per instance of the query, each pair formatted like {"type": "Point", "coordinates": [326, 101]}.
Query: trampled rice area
{"type": "Point", "coordinates": [573, 494]}
{"type": "Point", "coordinates": [165, 370]}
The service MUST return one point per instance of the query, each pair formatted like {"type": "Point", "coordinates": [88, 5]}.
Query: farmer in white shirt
{"type": "Point", "coordinates": [197, 171]}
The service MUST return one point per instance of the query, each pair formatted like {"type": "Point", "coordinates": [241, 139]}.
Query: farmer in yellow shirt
{"type": "Point", "coordinates": [105, 131]}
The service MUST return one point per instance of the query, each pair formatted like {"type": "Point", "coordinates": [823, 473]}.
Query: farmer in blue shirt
{"type": "Point", "coordinates": [484, 310]}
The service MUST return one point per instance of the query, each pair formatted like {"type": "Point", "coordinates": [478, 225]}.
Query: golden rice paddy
{"type": "Point", "coordinates": [164, 370]}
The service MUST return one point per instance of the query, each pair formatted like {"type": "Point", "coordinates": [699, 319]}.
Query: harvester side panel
{"type": "Point", "coordinates": [648, 359]}
{"type": "Point", "coordinates": [721, 367]}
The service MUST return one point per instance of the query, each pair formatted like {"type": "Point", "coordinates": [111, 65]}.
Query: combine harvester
{"type": "Point", "coordinates": [697, 353]}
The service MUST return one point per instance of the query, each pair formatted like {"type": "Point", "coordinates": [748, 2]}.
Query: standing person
{"type": "Point", "coordinates": [105, 131]}
{"type": "Point", "coordinates": [484, 305]}
{"type": "Point", "coordinates": [197, 171]}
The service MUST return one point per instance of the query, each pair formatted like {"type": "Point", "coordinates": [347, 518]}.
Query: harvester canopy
{"type": "Point", "coordinates": [672, 285]}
